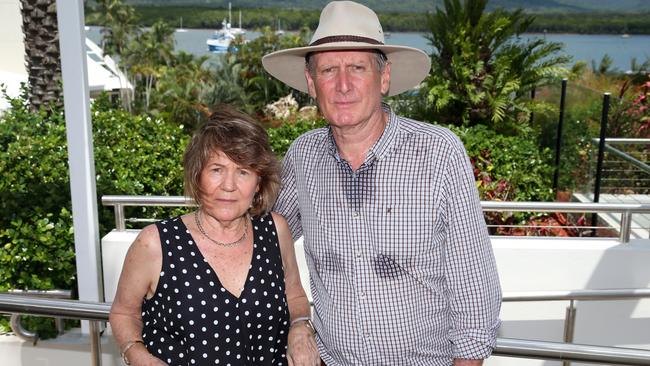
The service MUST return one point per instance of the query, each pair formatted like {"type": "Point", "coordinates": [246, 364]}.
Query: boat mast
{"type": "Point", "coordinates": [229, 13]}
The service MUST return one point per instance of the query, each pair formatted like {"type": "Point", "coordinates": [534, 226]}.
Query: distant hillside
{"type": "Point", "coordinates": [535, 6]}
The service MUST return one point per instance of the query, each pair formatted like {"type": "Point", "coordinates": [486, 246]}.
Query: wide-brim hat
{"type": "Point", "coordinates": [346, 25]}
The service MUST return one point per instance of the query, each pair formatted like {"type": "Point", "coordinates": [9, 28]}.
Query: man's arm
{"type": "Point", "coordinates": [287, 203]}
{"type": "Point", "coordinates": [470, 267]}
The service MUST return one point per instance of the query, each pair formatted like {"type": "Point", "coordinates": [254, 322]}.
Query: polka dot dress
{"type": "Point", "coordinates": [193, 320]}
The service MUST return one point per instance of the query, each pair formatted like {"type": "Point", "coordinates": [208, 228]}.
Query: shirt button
{"type": "Point", "coordinates": [358, 253]}
{"type": "Point", "coordinates": [362, 295]}
{"type": "Point", "coordinates": [355, 214]}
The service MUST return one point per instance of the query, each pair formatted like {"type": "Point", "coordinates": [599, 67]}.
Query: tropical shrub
{"type": "Point", "coordinates": [36, 235]}
{"type": "Point", "coordinates": [259, 86]}
{"type": "Point", "coordinates": [508, 168]}
{"type": "Point", "coordinates": [639, 111]}
{"type": "Point", "coordinates": [134, 155]}
{"type": "Point", "coordinates": [137, 155]}
{"type": "Point", "coordinates": [36, 238]}
{"type": "Point", "coordinates": [282, 136]}
{"type": "Point", "coordinates": [482, 73]}
{"type": "Point", "coordinates": [582, 111]}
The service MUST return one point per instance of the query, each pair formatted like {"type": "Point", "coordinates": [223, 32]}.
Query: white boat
{"type": "Point", "coordinates": [221, 39]}
{"type": "Point", "coordinates": [180, 28]}
{"type": "Point", "coordinates": [279, 31]}
{"type": "Point", "coordinates": [239, 30]}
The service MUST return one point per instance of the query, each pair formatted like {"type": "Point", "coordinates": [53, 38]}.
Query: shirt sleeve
{"type": "Point", "coordinates": [287, 203]}
{"type": "Point", "coordinates": [472, 278]}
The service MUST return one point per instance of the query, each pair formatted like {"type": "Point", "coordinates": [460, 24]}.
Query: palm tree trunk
{"type": "Point", "coordinates": [42, 54]}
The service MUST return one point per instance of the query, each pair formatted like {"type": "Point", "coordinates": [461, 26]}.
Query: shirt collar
{"type": "Point", "coordinates": [382, 147]}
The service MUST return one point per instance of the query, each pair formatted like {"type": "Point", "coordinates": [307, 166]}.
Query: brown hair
{"type": "Point", "coordinates": [244, 141]}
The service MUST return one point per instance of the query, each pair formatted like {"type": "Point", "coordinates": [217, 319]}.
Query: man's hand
{"type": "Point", "coordinates": [462, 362]}
{"type": "Point", "coordinates": [301, 349]}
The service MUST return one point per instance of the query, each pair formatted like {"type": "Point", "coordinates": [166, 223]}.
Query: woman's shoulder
{"type": "Point", "coordinates": [147, 242]}
{"type": "Point", "coordinates": [151, 234]}
{"type": "Point", "coordinates": [150, 231]}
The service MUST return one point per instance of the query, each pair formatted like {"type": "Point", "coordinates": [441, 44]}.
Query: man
{"type": "Point", "coordinates": [402, 270]}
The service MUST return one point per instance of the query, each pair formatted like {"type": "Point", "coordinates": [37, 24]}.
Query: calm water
{"type": "Point", "coordinates": [581, 47]}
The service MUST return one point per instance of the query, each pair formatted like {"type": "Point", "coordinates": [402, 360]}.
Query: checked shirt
{"type": "Point", "coordinates": [400, 262]}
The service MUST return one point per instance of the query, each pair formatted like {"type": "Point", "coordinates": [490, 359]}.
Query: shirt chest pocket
{"type": "Point", "coordinates": [407, 234]}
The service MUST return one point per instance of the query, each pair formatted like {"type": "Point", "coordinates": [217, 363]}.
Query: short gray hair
{"type": "Point", "coordinates": [380, 62]}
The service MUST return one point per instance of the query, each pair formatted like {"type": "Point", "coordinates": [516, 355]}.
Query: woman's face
{"type": "Point", "coordinates": [227, 188]}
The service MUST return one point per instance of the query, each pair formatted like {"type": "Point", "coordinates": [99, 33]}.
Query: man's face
{"type": "Point", "coordinates": [348, 86]}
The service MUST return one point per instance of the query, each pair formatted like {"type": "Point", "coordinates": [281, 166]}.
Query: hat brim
{"type": "Point", "coordinates": [408, 66]}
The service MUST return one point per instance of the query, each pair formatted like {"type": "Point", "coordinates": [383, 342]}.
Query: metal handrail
{"type": "Point", "coordinates": [572, 297]}
{"type": "Point", "coordinates": [69, 309]}
{"type": "Point", "coordinates": [504, 347]}
{"type": "Point", "coordinates": [76, 309]}
{"type": "Point", "coordinates": [630, 159]}
{"type": "Point", "coordinates": [570, 352]}
{"type": "Point", "coordinates": [119, 202]}
{"type": "Point", "coordinates": [625, 209]}
{"type": "Point", "coordinates": [16, 321]}
{"type": "Point", "coordinates": [577, 295]}
{"type": "Point", "coordinates": [624, 141]}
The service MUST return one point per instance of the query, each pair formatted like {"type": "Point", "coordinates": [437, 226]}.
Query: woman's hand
{"type": "Point", "coordinates": [301, 349]}
{"type": "Point", "coordinates": [141, 357]}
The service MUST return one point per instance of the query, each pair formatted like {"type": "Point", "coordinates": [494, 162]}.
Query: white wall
{"type": "Point", "coordinates": [540, 264]}
{"type": "Point", "coordinates": [11, 38]}
{"type": "Point", "coordinates": [530, 264]}
{"type": "Point", "coordinates": [12, 50]}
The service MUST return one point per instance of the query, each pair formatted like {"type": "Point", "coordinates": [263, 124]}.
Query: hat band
{"type": "Point", "coordinates": [344, 38]}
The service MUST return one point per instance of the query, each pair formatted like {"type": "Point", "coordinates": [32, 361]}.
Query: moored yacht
{"type": "Point", "coordinates": [221, 39]}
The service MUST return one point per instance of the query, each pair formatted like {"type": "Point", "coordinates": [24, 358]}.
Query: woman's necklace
{"type": "Point", "coordinates": [231, 244]}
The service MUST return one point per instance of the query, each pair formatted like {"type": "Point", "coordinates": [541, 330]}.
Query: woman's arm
{"type": "Point", "coordinates": [138, 280]}
{"type": "Point", "coordinates": [302, 348]}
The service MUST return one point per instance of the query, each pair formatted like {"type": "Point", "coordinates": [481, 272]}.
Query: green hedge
{"type": "Point", "coordinates": [134, 155]}
{"type": "Point", "coordinates": [282, 136]}
{"type": "Point", "coordinates": [508, 168]}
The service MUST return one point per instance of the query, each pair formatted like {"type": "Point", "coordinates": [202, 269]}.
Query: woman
{"type": "Point", "coordinates": [219, 285]}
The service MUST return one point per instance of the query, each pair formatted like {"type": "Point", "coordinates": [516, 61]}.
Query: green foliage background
{"type": "Point", "coordinates": [515, 161]}
{"type": "Point", "coordinates": [134, 155]}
